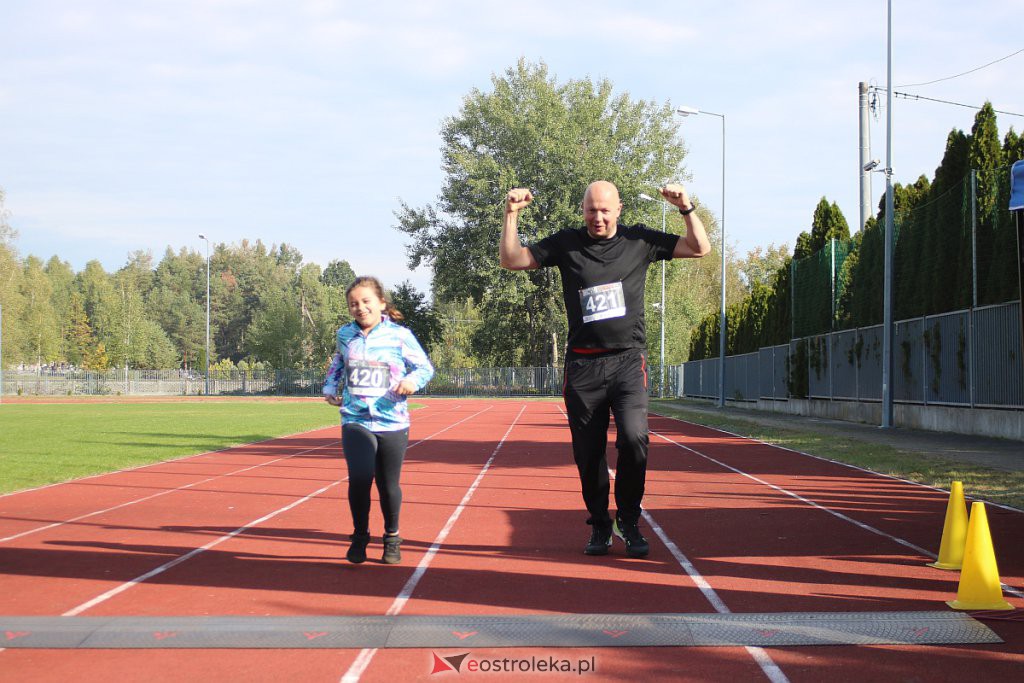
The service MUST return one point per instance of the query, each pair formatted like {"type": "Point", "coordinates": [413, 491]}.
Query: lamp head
{"type": "Point", "coordinates": [687, 111]}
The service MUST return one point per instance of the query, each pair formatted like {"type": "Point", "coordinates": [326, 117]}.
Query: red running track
{"type": "Point", "coordinates": [494, 525]}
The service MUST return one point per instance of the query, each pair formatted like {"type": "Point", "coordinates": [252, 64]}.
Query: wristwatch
{"type": "Point", "coordinates": [686, 212]}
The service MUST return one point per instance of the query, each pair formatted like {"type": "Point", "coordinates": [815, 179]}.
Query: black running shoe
{"type": "Point", "coordinates": [600, 540]}
{"type": "Point", "coordinates": [636, 544]}
{"type": "Point", "coordinates": [392, 550]}
{"type": "Point", "coordinates": [357, 551]}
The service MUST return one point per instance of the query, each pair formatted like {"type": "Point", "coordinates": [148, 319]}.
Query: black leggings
{"type": "Point", "coordinates": [374, 455]}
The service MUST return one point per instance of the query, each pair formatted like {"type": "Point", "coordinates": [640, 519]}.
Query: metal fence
{"type": "Point", "coordinates": [964, 358]}
{"type": "Point", "coordinates": [160, 383]}
{"type": "Point", "coordinates": [526, 381]}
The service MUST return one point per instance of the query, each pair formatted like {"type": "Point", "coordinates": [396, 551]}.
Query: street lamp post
{"type": "Point", "coordinates": [690, 111]}
{"type": "Point", "coordinates": [203, 237]}
{"type": "Point", "coordinates": [661, 383]}
{"type": "Point", "coordinates": [887, 284]}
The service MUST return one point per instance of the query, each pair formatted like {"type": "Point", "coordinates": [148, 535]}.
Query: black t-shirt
{"type": "Point", "coordinates": [603, 282]}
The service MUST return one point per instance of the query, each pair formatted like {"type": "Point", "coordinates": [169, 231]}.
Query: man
{"type": "Point", "coordinates": [603, 269]}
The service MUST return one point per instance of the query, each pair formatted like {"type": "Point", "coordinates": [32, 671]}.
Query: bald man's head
{"type": "Point", "coordinates": [601, 209]}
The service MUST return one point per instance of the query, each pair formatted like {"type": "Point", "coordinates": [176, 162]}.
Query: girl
{"type": "Point", "coordinates": [381, 364]}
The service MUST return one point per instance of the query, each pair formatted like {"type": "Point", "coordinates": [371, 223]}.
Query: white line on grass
{"type": "Point", "coordinates": [364, 658]}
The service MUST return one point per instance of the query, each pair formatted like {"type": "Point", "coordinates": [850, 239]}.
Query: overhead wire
{"type": "Point", "coordinates": [949, 78]}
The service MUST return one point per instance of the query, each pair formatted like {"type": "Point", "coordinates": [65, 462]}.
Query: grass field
{"type": "Point", "coordinates": [983, 483]}
{"type": "Point", "coordinates": [48, 443]}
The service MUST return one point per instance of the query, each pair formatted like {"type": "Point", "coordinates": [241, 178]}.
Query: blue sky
{"type": "Point", "coordinates": [138, 125]}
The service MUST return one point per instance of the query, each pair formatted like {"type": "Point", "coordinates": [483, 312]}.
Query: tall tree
{"type": "Point", "coordinates": [38, 320]}
{"type": "Point", "coordinates": [321, 312]}
{"type": "Point", "coordinates": [62, 286]}
{"type": "Point", "coordinates": [419, 314]}
{"type": "Point", "coordinates": [12, 303]}
{"type": "Point", "coordinates": [458, 321]}
{"type": "Point", "coordinates": [275, 334]}
{"type": "Point", "coordinates": [759, 266]}
{"type": "Point", "coordinates": [530, 130]}
{"type": "Point", "coordinates": [338, 274]}
{"type": "Point", "coordinates": [84, 350]}
{"type": "Point", "coordinates": [7, 233]}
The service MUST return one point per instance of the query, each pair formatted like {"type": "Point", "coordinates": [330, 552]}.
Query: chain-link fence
{"type": "Point", "coordinates": [968, 358]}
{"type": "Point", "coordinates": [525, 381]}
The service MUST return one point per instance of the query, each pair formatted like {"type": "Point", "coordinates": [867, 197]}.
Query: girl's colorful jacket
{"type": "Point", "coordinates": [370, 366]}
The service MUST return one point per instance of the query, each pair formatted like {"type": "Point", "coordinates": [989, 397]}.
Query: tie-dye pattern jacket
{"type": "Point", "coordinates": [390, 343]}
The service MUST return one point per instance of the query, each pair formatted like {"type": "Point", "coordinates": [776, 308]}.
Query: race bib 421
{"type": "Point", "coordinates": [602, 302]}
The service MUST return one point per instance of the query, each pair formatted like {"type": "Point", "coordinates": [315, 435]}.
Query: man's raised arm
{"type": "Point", "coordinates": [511, 253]}
{"type": "Point", "coordinates": [694, 243]}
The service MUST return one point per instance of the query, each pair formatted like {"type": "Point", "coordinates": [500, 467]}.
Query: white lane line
{"type": "Point", "coordinates": [182, 558]}
{"type": "Point", "coordinates": [161, 493]}
{"type": "Point", "coordinates": [365, 656]}
{"type": "Point", "coordinates": [197, 483]}
{"type": "Point", "coordinates": [819, 506]}
{"type": "Point", "coordinates": [834, 462]}
{"type": "Point", "coordinates": [806, 501]}
{"type": "Point", "coordinates": [761, 657]}
{"type": "Point", "coordinates": [189, 555]}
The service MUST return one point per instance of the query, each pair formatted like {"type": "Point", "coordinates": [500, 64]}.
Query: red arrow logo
{"type": "Point", "coordinates": [11, 635]}
{"type": "Point", "coordinates": [313, 635]}
{"type": "Point", "coordinates": [616, 634]}
{"type": "Point", "coordinates": [462, 635]}
{"type": "Point", "coordinates": [160, 635]}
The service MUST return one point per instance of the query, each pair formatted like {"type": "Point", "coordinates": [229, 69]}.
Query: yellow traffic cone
{"type": "Point", "coordinates": [980, 587]}
{"type": "Point", "coordinates": [954, 530]}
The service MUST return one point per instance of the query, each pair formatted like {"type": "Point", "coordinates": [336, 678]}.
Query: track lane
{"type": "Point", "coordinates": [796, 556]}
{"type": "Point", "coordinates": [518, 550]}
{"type": "Point", "coordinates": [724, 522]}
{"type": "Point", "coordinates": [295, 567]}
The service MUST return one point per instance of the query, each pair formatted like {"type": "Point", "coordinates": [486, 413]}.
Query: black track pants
{"type": "Point", "coordinates": [594, 386]}
{"type": "Point", "coordinates": [374, 456]}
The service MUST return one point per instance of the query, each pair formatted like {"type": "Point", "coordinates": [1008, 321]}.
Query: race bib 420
{"type": "Point", "coordinates": [368, 377]}
{"type": "Point", "coordinates": [602, 302]}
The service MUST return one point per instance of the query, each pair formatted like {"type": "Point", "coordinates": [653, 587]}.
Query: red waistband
{"type": "Point", "coordinates": [577, 350]}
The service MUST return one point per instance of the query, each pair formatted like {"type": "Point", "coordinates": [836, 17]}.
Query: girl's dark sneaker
{"type": "Point", "coordinates": [357, 551]}
{"type": "Point", "coordinates": [392, 549]}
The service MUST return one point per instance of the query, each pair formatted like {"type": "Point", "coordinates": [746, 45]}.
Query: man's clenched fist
{"type": "Point", "coordinates": [517, 199]}
{"type": "Point", "coordinates": [675, 194]}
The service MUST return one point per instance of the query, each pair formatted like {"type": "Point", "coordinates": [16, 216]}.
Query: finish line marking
{"type": "Point", "coordinates": [493, 631]}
